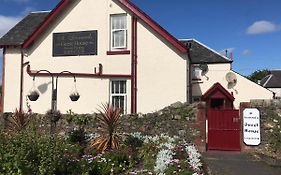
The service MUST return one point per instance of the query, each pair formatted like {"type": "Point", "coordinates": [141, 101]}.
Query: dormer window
{"type": "Point", "coordinates": [118, 32]}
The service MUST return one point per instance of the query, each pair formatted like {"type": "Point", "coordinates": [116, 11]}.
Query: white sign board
{"type": "Point", "coordinates": [251, 126]}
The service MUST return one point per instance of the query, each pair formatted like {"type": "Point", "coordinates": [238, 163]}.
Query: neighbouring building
{"type": "Point", "coordinates": [273, 82]}
{"type": "Point", "coordinates": [209, 68]}
{"type": "Point", "coordinates": [118, 54]}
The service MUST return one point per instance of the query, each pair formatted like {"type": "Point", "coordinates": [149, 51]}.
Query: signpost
{"type": "Point", "coordinates": [75, 43]}
{"type": "Point", "coordinates": [251, 126]}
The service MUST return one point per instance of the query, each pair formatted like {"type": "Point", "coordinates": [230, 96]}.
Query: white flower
{"type": "Point", "coordinates": [163, 158]}
{"type": "Point", "coordinates": [193, 157]}
{"type": "Point", "coordinates": [137, 135]}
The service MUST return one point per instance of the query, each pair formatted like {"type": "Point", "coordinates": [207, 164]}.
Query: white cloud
{"type": "Point", "coordinates": [263, 26]}
{"type": "Point", "coordinates": [7, 22]}
{"type": "Point", "coordinates": [246, 52]}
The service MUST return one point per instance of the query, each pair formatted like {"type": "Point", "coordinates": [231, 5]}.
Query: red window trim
{"type": "Point", "coordinates": [118, 52]}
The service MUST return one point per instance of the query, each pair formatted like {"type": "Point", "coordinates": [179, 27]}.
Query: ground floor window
{"type": "Point", "coordinates": [118, 94]}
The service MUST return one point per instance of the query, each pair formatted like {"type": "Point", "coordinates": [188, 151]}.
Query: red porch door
{"type": "Point", "coordinates": [224, 130]}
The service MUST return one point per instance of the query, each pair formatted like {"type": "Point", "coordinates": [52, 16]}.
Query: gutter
{"type": "Point", "coordinates": [21, 81]}
{"type": "Point", "coordinates": [134, 67]}
{"type": "Point", "coordinates": [3, 78]}
{"type": "Point", "coordinates": [189, 77]}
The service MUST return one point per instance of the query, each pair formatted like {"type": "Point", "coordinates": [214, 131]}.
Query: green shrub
{"type": "Point", "coordinates": [78, 136]}
{"type": "Point", "coordinates": [147, 153]}
{"type": "Point", "coordinates": [27, 153]}
{"type": "Point", "coordinates": [116, 162]}
{"type": "Point", "coordinates": [133, 142]}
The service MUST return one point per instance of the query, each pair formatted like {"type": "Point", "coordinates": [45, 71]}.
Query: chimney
{"type": "Point", "coordinates": [231, 59]}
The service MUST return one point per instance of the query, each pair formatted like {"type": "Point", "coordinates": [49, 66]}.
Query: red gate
{"type": "Point", "coordinates": [223, 130]}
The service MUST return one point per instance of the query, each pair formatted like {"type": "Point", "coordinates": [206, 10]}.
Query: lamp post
{"type": "Point", "coordinates": [35, 95]}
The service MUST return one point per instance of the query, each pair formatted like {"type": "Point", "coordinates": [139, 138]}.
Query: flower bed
{"type": "Point", "coordinates": [30, 153]}
{"type": "Point", "coordinates": [26, 146]}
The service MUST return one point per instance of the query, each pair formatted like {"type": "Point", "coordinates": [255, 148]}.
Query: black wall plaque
{"type": "Point", "coordinates": [75, 43]}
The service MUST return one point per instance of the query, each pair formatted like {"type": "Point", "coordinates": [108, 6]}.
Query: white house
{"type": "Point", "coordinates": [273, 82]}
{"type": "Point", "coordinates": [117, 53]}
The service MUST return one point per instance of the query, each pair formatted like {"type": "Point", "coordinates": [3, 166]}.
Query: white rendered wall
{"type": "Point", "coordinates": [161, 69]}
{"type": "Point", "coordinates": [161, 75]}
{"type": "Point", "coordinates": [243, 91]}
{"type": "Point", "coordinates": [12, 79]}
{"type": "Point", "coordinates": [83, 16]}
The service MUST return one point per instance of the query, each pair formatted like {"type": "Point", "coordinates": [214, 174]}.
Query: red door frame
{"type": "Point", "coordinates": [224, 123]}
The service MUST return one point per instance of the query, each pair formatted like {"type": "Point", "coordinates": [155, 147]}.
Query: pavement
{"type": "Point", "coordinates": [236, 163]}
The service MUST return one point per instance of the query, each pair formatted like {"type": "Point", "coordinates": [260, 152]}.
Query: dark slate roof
{"type": "Point", "coordinates": [20, 32]}
{"type": "Point", "coordinates": [273, 80]}
{"type": "Point", "coordinates": [200, 53]}
{"type": "Point", "coordinates": [264, 80]}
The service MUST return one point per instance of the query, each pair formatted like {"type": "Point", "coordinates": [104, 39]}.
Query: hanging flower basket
{"type": "Point", "coordinates": [33, 96]}
{"type": "Point", "coordinates": [74, 96]}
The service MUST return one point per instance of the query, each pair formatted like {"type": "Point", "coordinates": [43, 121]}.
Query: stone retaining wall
{"type": "Point", "coordinates": [270, 113]}
{"type": "Point", "coordinates": [179, 119]}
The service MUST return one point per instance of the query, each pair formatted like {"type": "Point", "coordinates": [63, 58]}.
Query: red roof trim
{"type": "Point", "coordinates": [134, 9]}
{"type": "Point", "coordinates": [53, 14]}
{"type": "Point", "coordinates": [218, 86]}
{"type": "Point", "coordinates": [155, 26]}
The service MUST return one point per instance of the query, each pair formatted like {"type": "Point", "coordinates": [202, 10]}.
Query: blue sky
{"type": "Point", "coordinates": [250, 28]}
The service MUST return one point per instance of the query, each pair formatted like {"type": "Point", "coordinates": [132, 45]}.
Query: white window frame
{"type": "Point", "coordinates": [119, 94]}
{"type": "Point", "coordinates": [118, 30]}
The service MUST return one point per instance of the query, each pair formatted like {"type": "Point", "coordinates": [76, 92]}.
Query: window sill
{"type": "Point", "coordinates": [118, 52]}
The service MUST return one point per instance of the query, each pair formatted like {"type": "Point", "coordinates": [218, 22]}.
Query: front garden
{"type": "Point", "coordinates": [101, 144]}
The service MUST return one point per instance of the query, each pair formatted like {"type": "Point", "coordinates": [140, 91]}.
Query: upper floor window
{"type": "Point", "coordinates": [118, 31]}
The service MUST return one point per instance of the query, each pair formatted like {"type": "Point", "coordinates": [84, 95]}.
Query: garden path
{"type": "Point", "coordinates": [234, 163]}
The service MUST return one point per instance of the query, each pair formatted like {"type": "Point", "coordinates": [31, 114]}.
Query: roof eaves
{"type": "Point", "coordinates": [43, 11]}
{"type": "Point", "coordinates": [154, 25]}
{"type": "Point", "coordinates": [270, 76]}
